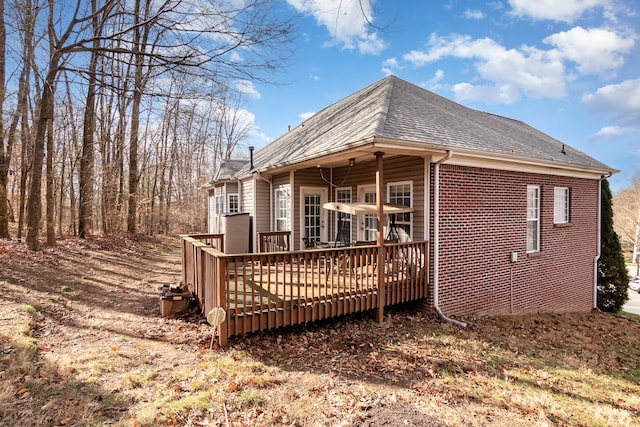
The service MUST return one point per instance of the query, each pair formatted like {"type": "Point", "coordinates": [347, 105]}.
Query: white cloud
{"type": "Point", "coordinates": [370, 44]}
{"type": "Point", "coordinates": [555, 10]}
{"type": "Point", "coordinates": [622, 98]}
{"type": "Point", "coordinates": [246, 117]}
{"type": "Point", "coordinates": [534, 72]}
{"type": "Point", "coordinates": [346, 21]}
{"type": "Point", "coordinates": [611, 131]}
{"type": "Point", "coordinates": [622, 102]}
{"type": "Point", "coordinates": [473, 14]}
{"type": "Point", "coordinates": [262, 137]}
{"type": "Point", "coordinates": [390, 65]}
{"type": "Point", "coordinates": [596, 51]}
{"type": "Point", "coordinates": [236, 57]}
{"type": "Point", "coordinates": [246, 87]}
{"type": "Point", "coordinates": [305, 116]}
{"type": "Point", "coordinates": [491, 94]}
{"type": "Point", "coordinates": [433, 84]}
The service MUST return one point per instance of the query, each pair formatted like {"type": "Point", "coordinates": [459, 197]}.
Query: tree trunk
{"type": "Point", "coordinates": [139, 47]}
{"type": "Point", "coordinates": [34, 201]}
{"type": "Point", "coordinates": [85, 215]}
{"type": "Point", "coordinates": [63, 169]}
{"type": "Point", "coordinates": [25, 168]}
{"type": "Point", "coordinates": [22, 112]}
{"type": "Point", "coordinates": [133, 161]}
{"type": "Point", "coordinates": [5, 156]}
{"type": "Point", "coordinates": [50, 194]}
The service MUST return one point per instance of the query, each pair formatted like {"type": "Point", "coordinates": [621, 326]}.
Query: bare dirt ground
{"type": "Point", "coordinates": [82, 343]}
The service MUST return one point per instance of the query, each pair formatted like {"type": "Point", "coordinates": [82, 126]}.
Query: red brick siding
{"type": "Point", "coordinates": [483, 220]}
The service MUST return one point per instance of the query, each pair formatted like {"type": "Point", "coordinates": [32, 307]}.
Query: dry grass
{"type": "Point", "coordinates": [99, 354]}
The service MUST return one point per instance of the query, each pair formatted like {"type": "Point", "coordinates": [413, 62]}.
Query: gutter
{"type": "Point", "coordinates": [599, 242]}
{"type": "Point", "coordinates": [436, 242]}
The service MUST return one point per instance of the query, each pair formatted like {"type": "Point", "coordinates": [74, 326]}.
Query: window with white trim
{"type": "Point", "coordinates": [367, 224]}
{"type": "Point", "coordinates": [533, 218]}
{"type": "Point", "coordinates": [343, 220]}
{"type": "Point", "coordinates": [219, 204]}
{"type": "Point", "coordinates": [282, 209]}
{"type": "Point", "coordinates": [560, 205]}
{"type": "Point", "coordinates": [400, 225]}
{"type": "Point", "coordinates": [233, 202]}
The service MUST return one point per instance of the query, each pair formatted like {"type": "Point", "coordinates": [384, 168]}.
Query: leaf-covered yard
{"type": "Point", "coordinates": [82, 343]}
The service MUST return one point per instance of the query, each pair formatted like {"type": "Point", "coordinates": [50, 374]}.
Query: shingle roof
{"type": "Point", "coordinates": [230, 169]}
{"type": "Point", "coordinates": [394, 109]}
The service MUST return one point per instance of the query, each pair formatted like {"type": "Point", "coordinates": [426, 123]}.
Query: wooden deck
{"type": "Point", "coordinates": [269, 290]}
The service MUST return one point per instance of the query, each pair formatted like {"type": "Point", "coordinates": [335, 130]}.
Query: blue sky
{"type": "Point", "coordinates": [570, 68]}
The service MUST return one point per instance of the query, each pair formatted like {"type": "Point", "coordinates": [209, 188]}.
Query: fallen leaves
{"type": "Point", "coordinates": [113, 364]}
{"type": "Point", "coordinates": [65, 421]}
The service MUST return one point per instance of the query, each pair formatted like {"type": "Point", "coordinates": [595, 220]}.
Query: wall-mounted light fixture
{"type": "Point", "coordinates": [352, 162]}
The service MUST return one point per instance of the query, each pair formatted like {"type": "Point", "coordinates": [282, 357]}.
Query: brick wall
{"type": "Point", "coordinates": [483, 220]}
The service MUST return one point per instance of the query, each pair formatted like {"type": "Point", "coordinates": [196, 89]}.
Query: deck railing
{"type": "Point", "coordinates": [193, 267]}
{"type": "Point", "coordinates": [269, 290]}
{"type": "Point", "coordinates": [274, 241]}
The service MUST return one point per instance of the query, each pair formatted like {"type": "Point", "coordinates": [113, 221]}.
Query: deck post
{"type": "Point", "coordinates": [380, 233]}
{"type": "Point", "coordinates": [223, 328]}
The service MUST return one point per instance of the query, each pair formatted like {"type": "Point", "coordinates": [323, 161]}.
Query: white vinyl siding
{"type": "Point", "coordinates": [533, 218]}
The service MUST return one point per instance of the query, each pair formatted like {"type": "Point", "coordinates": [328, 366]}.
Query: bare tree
{"type": "Point", "coordinates": [142, 27]}
{"type": "Point", "coordinates": [626, 206]}
{"type": "Point", "coordinates": [59, 48]}
{"type": "Point", "coordinates": [125, 50]}
{"type": "Point", "coordinates": [86, 184]}
{"type": "Point", "coordinates": [5, 152]}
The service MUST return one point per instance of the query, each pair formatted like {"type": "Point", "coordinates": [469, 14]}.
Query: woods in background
{"type": "Point", "coordinates": [626, 207]}
{"type": "Point", "coordinates": [114, 113]}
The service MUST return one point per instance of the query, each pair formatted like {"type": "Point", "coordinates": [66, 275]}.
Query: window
{"type": "Point", "coordinates": [219, 203]}
{"type": "Point", "coordinates": [343, 220]}
{"type": "Point", "coordinates": [368, 224]}
{"type": "Point", "coordinates": [533, 218]}
{"type": "Point", "coordinates": [282, 209]}
{"type": "Point", "coordinates": [233, 203]}
{"type": "Point", "coordinates": [312, 218]}
{"type": "Point", "coordinates": [400, 224]}
{"type": "Point", "coordinates": [560, 205]}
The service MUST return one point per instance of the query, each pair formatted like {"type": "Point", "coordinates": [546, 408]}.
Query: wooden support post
{"type": "Point", "coordinates": [185, 248]}
{"type": "Point", "coordinates": [222, 300]}
{"type": "Point", "coordinates": [380, 234]}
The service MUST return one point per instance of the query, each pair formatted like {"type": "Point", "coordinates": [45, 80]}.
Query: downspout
{"type": "Point", "coordinates": [436, 241]}
{"type": "Point", "coordinates": [599, 242]}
